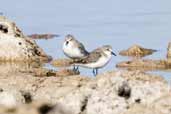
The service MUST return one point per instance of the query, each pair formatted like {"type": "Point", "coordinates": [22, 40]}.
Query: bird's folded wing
{"type": "Point", "coordinates": [82, 49]}
{"type": "Point", "coordinates": [91, 58]}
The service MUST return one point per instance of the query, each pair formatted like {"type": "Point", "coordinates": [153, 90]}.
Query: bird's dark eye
{"type": "Point", "coordinates": [67, 42]}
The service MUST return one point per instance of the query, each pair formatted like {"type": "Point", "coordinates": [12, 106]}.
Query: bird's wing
{"type": "Point", "coordinates": [82, 49]}
{"type": "Point", "coordinates": [93, 57]}
{"type": "Point", "coordinates": [90, 58]}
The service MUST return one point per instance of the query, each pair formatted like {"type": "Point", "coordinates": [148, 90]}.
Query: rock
{"type": "Point", "coordinates": [66, 72]}
{"type": "Point", "coordinates": [61, 72]}
{"type": "Point", "coordinates": [14, 68]}
{"type": "Point", "coordinates": [37, 107]}
{"type": "Point", "coordinates": [140, 76]}
{"type": "Point", "coordinates": [137, 51]}
{"type": "Point", "coordinates": [116, 92]}
{"type": "Point", "coordinates": [146, 64]}
{"type": "Point", "coordinates": [169, 51]}
{"type": "Point", "coordinates": [159, 106]}
{"type": "Point", "coordinates": [34, 68]}
{"type": "Point", "coordinates": [58, 87]}
{"type": "Point", "coordinates": [42, 87]}
{"type": "Point", "coordinates": [10, 98]}
{"type": "Point", "coordinates": [62, 62]}
{"type": "Point", "coordinates": [14, 46]}
{"type": "Point", "coordinates": [101, 95]}
{"type": "Point", "coordinates": [124, 90]}
{"type": "Point", "coordinates": [59, 109]}
{"type": "Point", "coordinates": [43, 36]}
{"type": "Point", "coordinates": [9, 28]}
{"type": "Point", "coordinates": [163, 104]}
{"type": "Point", "coordinates": [27, 96]}
{"type": "Point", "coordinates": [43, 72]}
{"type": "Point", "coordinates": [142, 109]}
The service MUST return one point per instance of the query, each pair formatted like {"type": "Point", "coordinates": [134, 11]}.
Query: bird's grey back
{"type": "Point", "coordinates": [94, 55]}
{"type": "Point", "coordinates": [81, 48]}
{"type": "Point", "coordinates": [91, 57]}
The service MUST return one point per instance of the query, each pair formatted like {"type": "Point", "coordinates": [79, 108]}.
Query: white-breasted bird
{"type": "Point", "coordinates": [96, 59]}
{"type": "Point", "coordinates": [74, 49]}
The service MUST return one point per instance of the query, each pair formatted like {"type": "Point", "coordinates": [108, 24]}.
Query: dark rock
{"type": "Point", "coordinates": [45, 108]}
{"type": "Point", "coordinates": [27, 96]}
{"type": "Point", "coordinates": [124, 90]}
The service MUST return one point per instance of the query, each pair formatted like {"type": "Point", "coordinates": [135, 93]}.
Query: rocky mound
{"type": "Point", "coordinates": [15, 46]}
{"type": "Point", "coordinates": [120, 92]}
{"type": "Point", "coordinates": [137, 51]}
{"type": "Point", "coordinates": [145, 64]}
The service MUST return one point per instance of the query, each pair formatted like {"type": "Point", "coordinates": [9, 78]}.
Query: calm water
{"type": "Point", "coordinates": [120, 23]}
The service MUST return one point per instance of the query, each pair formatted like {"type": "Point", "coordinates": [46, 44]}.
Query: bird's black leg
{"type": "Point", "coordinates": [74, 67]}
{"type": "Point", "coordinates": [77, 68]}
{"type": "Point", "coordinates": [94, 72]}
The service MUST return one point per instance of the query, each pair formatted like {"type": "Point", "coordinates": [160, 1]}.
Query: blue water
{"type": "Point", "coordinates": [120, 23]}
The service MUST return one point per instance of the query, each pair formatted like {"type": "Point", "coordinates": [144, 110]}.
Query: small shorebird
{"type": "Point", "coordinates": [74, 49]}
{"type": "Point", "coordinates": [97, 58]}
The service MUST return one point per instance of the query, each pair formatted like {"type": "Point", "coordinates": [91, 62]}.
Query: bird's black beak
{"type": "Point", "coordinates": [113, 53]}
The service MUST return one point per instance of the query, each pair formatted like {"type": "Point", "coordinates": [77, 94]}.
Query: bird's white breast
{"type": "Point", "coordinates": [101, 62]}
{"type": "Point", "coordinates": [72, 51]}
